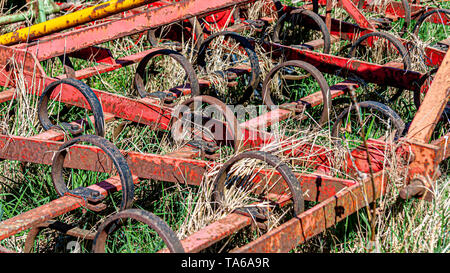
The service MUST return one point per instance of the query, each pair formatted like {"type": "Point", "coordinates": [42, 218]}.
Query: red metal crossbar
{"type": "Point", "coordinates": [339, 197]}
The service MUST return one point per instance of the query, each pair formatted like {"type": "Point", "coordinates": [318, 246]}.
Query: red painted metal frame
{"type": "Point", "coordinates": [392, 9]}
{"type": "Point", "coordinates": [340, 198]}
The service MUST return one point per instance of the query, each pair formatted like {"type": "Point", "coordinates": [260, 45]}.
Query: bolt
{"type": "Point", "coordinates": [95, 194]}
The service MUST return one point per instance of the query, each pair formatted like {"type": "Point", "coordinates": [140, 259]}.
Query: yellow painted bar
{"type": "Point", "coordinates": [71, 20]}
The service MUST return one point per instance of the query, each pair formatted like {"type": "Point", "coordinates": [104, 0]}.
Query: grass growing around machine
{"type": "Point", "coordinates": [402, 226]}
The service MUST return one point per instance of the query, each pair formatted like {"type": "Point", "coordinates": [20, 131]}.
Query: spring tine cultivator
{"type": "Point", "coordinates": [316, 199]}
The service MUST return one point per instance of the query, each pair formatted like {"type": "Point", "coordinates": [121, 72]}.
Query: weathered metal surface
{"type": "Point", "coordinates": [57, 134]}
{"type": "Point", "coordinates": [107, 65]}
{"type": "Point", "coordinates": [214, 232]}
{"type": "Point", "coordinates": [7, 95]}
{"type": "Point", "coordinates": [140, 78]}
{"type": "Point", "coordinates": [148, 166]}
{"type": "Point", "coordinates": [369, 72]}
{"type": "Point", "coordinates": [386, 112]}
{"type": "Point", "coordinates": [70, 20]}
{"type": "Point", "coordinates": [356, 14]}
{"type": "Point", "coordinates": [314, 74]}
{"type": "Point", "coordinates": [130, 109]}
{"type": "Point", "coordinates": [89, 96]}
{"type": "Point", "coordinates": [227, 132]}
{"type": "Point", "coordinates": [392, 9]}
{"type": "Point", "coordinates": [94, 53]}
{"type": "Point", "coordinates": [444, 147]}
{"type": "Point", "coordinates": [14, 60]}
{"type": "Point", "coordinates": [291, 184]}
{"type": "Point", "coordinates": [55, 208]}
{"type": "Point", "coordinates": [58, 226]}
{"type": "Point", "coordinates": [351, 32]}
{"type": "Point", "coordinates": [432, 105]}
{"type": "Point", "coordinates": [267, 119]}
{"type": "Point", "coordinates": [339, 197]}
{"type": "Point", "coordinates": [81, 38]}
{"type": "Point", "coordinates": [317, 219]}
{"type": "Point", "coordinates": [113, 154]}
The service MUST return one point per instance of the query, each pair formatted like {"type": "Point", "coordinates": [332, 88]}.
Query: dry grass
{"type": "Point", "coordinates": [414, 226]}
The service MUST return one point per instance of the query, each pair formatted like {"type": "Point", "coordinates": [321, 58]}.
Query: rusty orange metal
{"type": "Point", "coordinates": [338, 198]}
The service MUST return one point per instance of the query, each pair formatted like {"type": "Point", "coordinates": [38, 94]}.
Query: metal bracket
{"type": "Point", "coordinates": [164, 96]}
{"type": "Point", "coordinates": [258, 213]}
{"type": "Point", "coordinates": [90, 196]}
{"type": "Point", "coordinates": [74, 129]}
{"type": "Point", "coordinates": [204, 146]}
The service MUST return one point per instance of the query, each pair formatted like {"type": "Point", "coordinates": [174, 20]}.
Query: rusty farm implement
{"type": "Point", "coordinates": [260, 163]}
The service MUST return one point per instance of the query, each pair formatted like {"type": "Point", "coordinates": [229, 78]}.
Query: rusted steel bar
{"type": "Point", "coordinates": [320, 185]}
{"type": "Point", "coordinates": [94, 53]}
{"type": "Point", "coordinates": [57, 134]}
{"type": "Point", "coordinates": [356, 14]}
{"type": "Point", "coordinates": [70, 20]}
{"type": "Point", "coordinates": [7, 95]}
{"type": "Point", "coordinates": [55, 208]}
{"type": "Point", "coordinates": [148, 166]}
{"type": "Point", "coordinates": [395, 9]}
{"type": "Point", "coordinates": [108, 64]}
{"type": "Point", "coordinates": [424, 165]}
{"type": "Point", "coordinates": [413, 189]}
{"type": "Point", "coordinates": [214, 232]}
{"type": "Point", "coordinates": [6, 250]}
{"type": "Point", "coordinates": [317, 219]}
{"type": "Point", "coordinates": [433, 104]}
{"type": "Point", "coordinates": [351, 32]}
{"type": "Point", "coordinates": [444, 147]}
{"type": "Point", "coordinates": [81, 38]}
{"type": "Point", "coordinates": [328, 9]}
{"type": "Point", "coordinates": [143, 111]}
{"type": "Point", "coordinates": [369, 72]}
{"type": "Point", "coordinates": [392, 9]}
{"type": "Point", "coordinates": [345, 197]}
{"type": "Point", "coordinates": [58, 226]}
{"type": "Point", "coordinates": [132, 109]}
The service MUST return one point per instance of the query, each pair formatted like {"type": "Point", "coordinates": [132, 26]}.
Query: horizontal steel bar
{"type": "Point", "coordinates": [444, 147]}
{"type": "Point", "coordinates": [7, 95]}
{"type": "Point", "coordinates": [70, 20]}
{"type": "Point", "coordinates": [269, 118]}
{"type": "Point", "coordinates": [55, 208]}
{"type": "Point", "coordinates": [214, 232]}
{"type": "Point", "coordinates": [317, 219]}
{"type": "Point", "coordinates": [81, 38]}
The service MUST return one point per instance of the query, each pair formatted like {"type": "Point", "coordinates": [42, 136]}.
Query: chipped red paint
{"type": "Point", "coordinates": [55, 208]}
{"type": "Point", "coordinates": [55, 45]}
{"type": "Point", "coordinates": [317, 219]}
{"type": "Point", "coordinates": [214, 232]}
{"type": "Point", "coordinates": [338, 198]}
{"type": "Point", "coordinates": [356, 14]}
